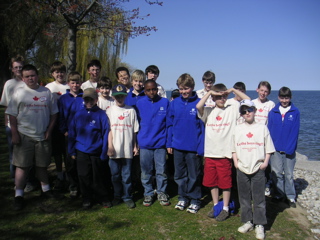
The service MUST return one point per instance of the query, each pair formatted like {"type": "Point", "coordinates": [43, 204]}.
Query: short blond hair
{"type": "Point", "coordinates": [74, 76]}
{"type": "Point", "coordinates": [138, 75]}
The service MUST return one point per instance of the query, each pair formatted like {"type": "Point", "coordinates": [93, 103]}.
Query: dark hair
{"type": "Point", "coordinates": [240, 86]}
{"type": "Point", "coordinates": [29, 67]}
{"type": "Point", "coordinates": [175, 93]}
{"type": "Point", "coordinates": [119, 69]}
{"type": "Point", "coordinates": [94, 62]}
{"type": "Point", "coordinates": [104, 82]}
{"type": "Point", "coordinates": [266, 84]}
{"type": "Point", "coordinates": [219, 87]}
{"type": "Point", "coordinates": [152, 69]}
{"type": "Point", "coordinates": [209, 76]}
{"type": "Point", "coordinates": [285, 92]}
{"type": "Point", "coordinates": [150, 81]}
{"type": "Point", "coordinates": [57, 66]}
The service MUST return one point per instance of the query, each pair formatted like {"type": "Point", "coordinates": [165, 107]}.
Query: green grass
{"type": "Point", "coordinates": [64, 219]}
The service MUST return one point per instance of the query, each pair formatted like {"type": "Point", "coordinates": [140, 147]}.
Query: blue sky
{"type": "Point", "coordinates": [239, 40]}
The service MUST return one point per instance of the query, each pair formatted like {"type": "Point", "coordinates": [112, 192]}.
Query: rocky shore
{"type": "Point", "coordinates": [307, 184]}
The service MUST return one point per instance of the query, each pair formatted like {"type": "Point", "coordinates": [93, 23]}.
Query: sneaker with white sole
{"type": "Point", "coordinates": [222, 216]}
{"type": "Point", "coordinates": [163, 199]}
{"type": "Point", "coordinates": [193, 208]}
{"type": "Point", "coordinates": [247, 227]}
{"type": "Point", "coordinates": [181, 205]}
{"type": "Point", "coordinates": [259, 232]}
{"type": "Point", "coordinates": [148, 200]}
{"type": "Point", "coordinates": [267, 192]}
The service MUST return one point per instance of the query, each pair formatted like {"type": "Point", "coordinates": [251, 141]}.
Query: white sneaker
{"type": "Point", "coordinates": [193, 208]}
{"type": "Point", "coordinates": [259, 232]}
{"type": "Point", "coordinates": [267, 192]}
{"type": "Point", "coordinates": [247, 227]}
{"type": "Point", "coordinates": [181, 205]}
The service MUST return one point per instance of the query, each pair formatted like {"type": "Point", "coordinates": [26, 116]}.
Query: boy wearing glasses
{"type": "Point", "coordinates": [220, 122]}
{"type": "Point", "coordinates": [208, 79]}
{"type": "Point", "coordinates": [252, 148]}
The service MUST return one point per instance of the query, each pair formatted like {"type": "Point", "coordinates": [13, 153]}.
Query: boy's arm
{"type": "Point", "coordinates": [52, 122]}
{"type": "Point", "coordinates": [169, 126]}
{"type": "Point", "coordinates": [105, 138]}
{"type": "Point", "coordinates": [238, 93]}
{"type": "Point", "coordinates": [264, 165]}
{"type": "Point", "coordinates": [235, 159]}
{"type": "Point", "coordinates": [14, 130]}
{"type": "Point", "coordinates": [111, 150]}
{"type": "Point", "coordinates": [201, 103]}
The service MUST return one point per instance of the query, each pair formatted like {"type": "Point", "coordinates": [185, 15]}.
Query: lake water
{"type": "Point", "coordinates": [308, 103]}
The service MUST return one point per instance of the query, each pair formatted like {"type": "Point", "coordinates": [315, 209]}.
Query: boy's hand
{"type": "Point", "coordinates": [73, 157]}
{"type": "Point", "coordinates": [66, 134]}
{"type": "Point", "coordinates": [15, 138]}
{"type": "Point", "coordinates": [111, 151]}
{"type": "Point", "coordinates": [236, 164]}
{"type": "Point", "coordinates": [135, 151]}
{"type": "Point", "coordinates": [263, 166]}
{"type": "Point", "coordinates": [169, 150]}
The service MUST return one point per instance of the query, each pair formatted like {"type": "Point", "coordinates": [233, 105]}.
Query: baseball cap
{"type": "Point", "coordinates": [90, 92]}
{"type": "Point", "coordinates": [119, 89]}
{"type": "Point", "coordinates": [247, 102]}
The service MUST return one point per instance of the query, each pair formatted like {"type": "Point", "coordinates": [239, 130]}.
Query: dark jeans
{"type": "Point", "coordinates": [187, 174]}
{"type": "Point", "coordinates": [93, 177]}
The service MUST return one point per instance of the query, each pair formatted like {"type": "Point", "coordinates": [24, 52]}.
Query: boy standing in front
{"type": "Point", "coordinates": [252, 147]}
{"type": "Point", "coordinates": [94, 70]}
{"type": "Point", "coordinates": [152, 111]}
{"type": "Point", "coordinates": [184, 138]}
{"type": "Point", "coordinates": [284, 125]}
{"type": "Point", "coordinates": [88, 144]}
{"type": "Point", "coordinates": [33, 112]}
{"type": "Point", "coordinates": [220, 122]}
{"type": "Point", "coordinates": [208, 80]}
{"type": "Point", "coordinates": [122, 145]}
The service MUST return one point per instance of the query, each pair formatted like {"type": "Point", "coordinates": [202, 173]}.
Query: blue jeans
{"type": "Point", "coordinates": [150, 160]}
{"type": "Point", "coordinates": [282, 166]}
{"type": "Point", "coordinates": [10, 151]}
{"type": "Point", "coordinates": [251, 192]}
{"type": "Point", "coordinates": [121, 178]}
{"type": "Point", "coordinates": [187, 167]}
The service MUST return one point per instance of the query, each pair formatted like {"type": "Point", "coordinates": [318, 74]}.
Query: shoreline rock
{"type": "Point", "coordinates": [306, 180]}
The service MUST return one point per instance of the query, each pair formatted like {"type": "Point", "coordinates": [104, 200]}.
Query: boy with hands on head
{"type": "Point", "coordinates": [220, 122]}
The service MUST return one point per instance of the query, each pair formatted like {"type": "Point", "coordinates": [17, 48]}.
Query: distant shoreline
{"type": "Point", "coordinates": [304, 164]}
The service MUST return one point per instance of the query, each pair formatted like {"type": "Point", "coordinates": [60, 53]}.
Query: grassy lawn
{"type": "Point", "coordinates": [65, 219]}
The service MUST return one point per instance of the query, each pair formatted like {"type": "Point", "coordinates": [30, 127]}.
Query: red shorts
{"type": "Point", "coordinates": [217, 173]}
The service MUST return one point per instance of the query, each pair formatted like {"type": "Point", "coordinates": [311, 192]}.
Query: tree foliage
{"type": "Point", "coordinates": [74, 31]}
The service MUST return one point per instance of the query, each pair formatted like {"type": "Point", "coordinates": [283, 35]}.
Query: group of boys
{"type": "Point", "coordinates": [110, 139]}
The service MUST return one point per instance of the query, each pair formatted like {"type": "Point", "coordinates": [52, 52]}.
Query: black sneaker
{"type": "Point", "coordinates": [116, 201]}
{"type": "Point", "coordinates": [51, 195]}
{"type": "Point", "coordinates": [18, 203]}
{"type": "Point", "coordinates": [292, 203]}
{"type": "Point", "coordinates": [106, 204]}
{"type": "Point", "coordinates": [130, 204]}
{"type": "Point", "coordinates": [59, 184]}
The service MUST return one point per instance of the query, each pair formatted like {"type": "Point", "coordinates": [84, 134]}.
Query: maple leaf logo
{"type": "Point", "coordinates": [121, 117]}
{"type": "Point", "coordinates": [260, 110]}
{"type": "Point", "coordinates": [219, 118]}
{"type": "Point", "coordinates": [249, 135]}
{"type": "Point", "coordinates": [35, 98]}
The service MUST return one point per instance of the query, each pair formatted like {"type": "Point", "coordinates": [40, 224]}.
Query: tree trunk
{"type": "Point", "coordinates": [72, 53]}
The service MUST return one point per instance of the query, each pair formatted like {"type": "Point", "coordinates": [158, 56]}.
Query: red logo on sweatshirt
{"type": "Point", "coordinates": [260, 110]}
{"type": "Point", "coordinates": [121, 117]}
{"type": "Point", "coordinates": [35, 98]}
{"type": "Point", "coordinates": [219, 118]}
{"type": "Point", "coordinates": [249, 135]}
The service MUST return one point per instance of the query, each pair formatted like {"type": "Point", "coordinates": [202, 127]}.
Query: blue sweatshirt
{"type": "Point", "coordinates": [132, 98]}
{"type": "Point", "coordinates": [185, 129]}
{"type": "Point", "coordinates": [88, 132]}
{"type": "Point", "coordinates": [64, 104]}
{"type": "Point", "coordinates": [152, 114]}
{"type": "Point", "coordinates": [284, 133]}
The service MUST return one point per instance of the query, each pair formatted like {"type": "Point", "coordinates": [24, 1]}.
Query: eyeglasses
{"type": "Point", "coordinates": [249, 110]}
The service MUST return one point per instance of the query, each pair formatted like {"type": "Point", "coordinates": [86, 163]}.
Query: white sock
{"type": "Point", "coordinates": [19, 193]}
{"type": "Point", "coordinates": [45, 187]}
{"type": "Point", "coordinates": [226, 208]}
